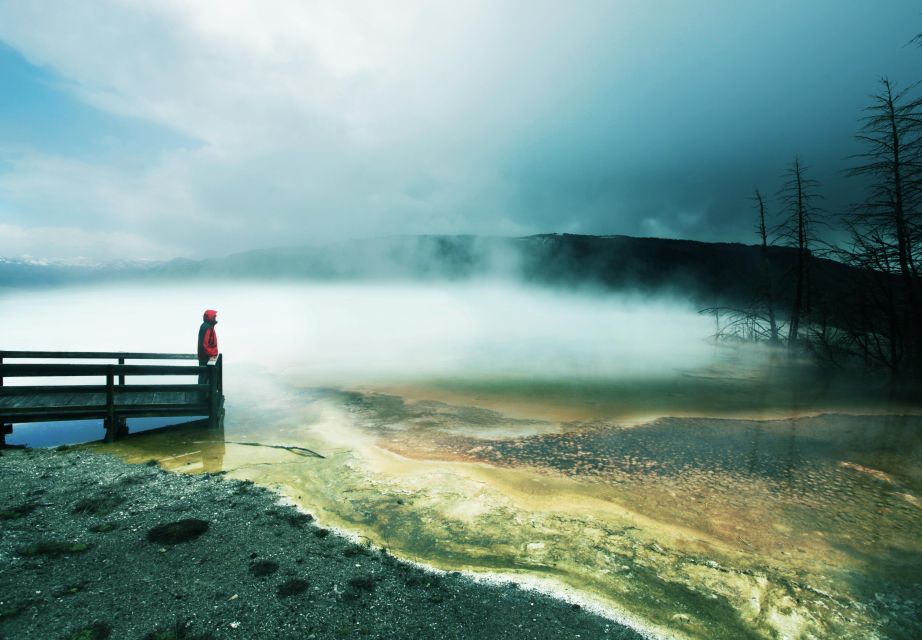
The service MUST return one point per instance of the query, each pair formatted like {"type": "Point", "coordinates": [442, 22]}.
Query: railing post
{"type": "Point", "coordinates": [214, 405]}
{"type": "Point", "coordinates": [122, 426]}
{"type": "Point", "coordinates": [220, 365]}
{"type": "Point", "coordinates": [4, 427]}
{"type": "Point", "coordinates": [111, 427]}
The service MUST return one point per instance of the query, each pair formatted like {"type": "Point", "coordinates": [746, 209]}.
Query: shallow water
{"type": "Point", "coordinates": [692, 526]}
{"type": "Point", "coordinates": [596, 445]}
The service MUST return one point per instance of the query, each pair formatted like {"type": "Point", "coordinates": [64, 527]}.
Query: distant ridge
{"type": "Point", "coordinates": [714, 273]}
{"type": "Point", "coordinates": [31, 272]}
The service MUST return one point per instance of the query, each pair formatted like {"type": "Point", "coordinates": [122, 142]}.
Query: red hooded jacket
{"type": "Point", "coordinates": [207, 338]}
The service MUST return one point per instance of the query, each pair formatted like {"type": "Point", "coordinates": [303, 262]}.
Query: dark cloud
{"type": "Point", "coordinates": [312, 124]}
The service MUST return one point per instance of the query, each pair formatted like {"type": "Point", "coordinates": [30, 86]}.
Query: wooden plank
{"type": "Point", "coordinates": [97, 355]}
{"type": "Point", "coordinates": [86, 415]}
{"type": "Point", "coordinates": [23, 400]}
{"type": "Point", "coordinates": [65, 413]}
{"type": "Point", "coordinates": [100, 412]}
{"type": "Point", "coordinates": [64, 370]}
{"type": "Point", "coordinates": [85, 399]}
{"type": "Point", "coordinates": [55, 401]}
{"type": "Point", "coordinates": [60, 400]}
{"type": "Point", "coordinates": [156, 410]}
{"type": "Point", "coordinates": [77, 401]}
{"type": "Point", "coordinates": [46, 389]}
{"type": "Point", "coordinates": [94, 399]}
{"type": "Point", "coordinates": [159, 369]}
{"type": "Point", "coordinates": [128, 398]}
{"type": "Point", "coordinates": [161, 387]}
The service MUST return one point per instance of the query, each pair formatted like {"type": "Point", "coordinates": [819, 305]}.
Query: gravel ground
{"type": "Point", "coordinates": [93, 548]}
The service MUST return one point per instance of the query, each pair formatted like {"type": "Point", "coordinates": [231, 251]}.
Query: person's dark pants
{"type": "Point", "coordinates": [202, 378]}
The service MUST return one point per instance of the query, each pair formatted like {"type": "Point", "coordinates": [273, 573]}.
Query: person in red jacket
{"type": "Point", "coordinates": [207, 340]}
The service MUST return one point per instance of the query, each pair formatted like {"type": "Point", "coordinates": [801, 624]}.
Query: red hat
{"type": "Point", "coordinates": [209, 315]}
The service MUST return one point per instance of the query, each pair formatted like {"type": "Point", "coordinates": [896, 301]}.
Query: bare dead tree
{"type": "Point", "coordinates": [736, 324]}
{"type": "Point", "coordinates": [798, 196]}
{"type": "Point", "coordinates": [886, 227]}
{"type": "Point", "coordinates": [872, 318]}
{"type": "Point", "coordinates": [754, 321]}
{"type": "Point", "coordinates": [766, 275]}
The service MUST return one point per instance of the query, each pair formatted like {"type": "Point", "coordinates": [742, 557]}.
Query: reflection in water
{"type": "Point", "coordinates": [695, 526]}
{"type": "Point", "coordinates": [186, 448]}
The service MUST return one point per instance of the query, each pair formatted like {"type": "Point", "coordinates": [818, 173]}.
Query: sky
{"type": "Point", "coordinates": [154, 129]}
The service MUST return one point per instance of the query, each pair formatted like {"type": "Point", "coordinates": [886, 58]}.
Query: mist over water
{"type": "Point", "coordinates": [602, 441]}
{"type": "Point", "coordinates": [347, 333]}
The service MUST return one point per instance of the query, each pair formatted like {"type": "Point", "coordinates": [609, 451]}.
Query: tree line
{"type": "Point", "coordinates": [874, 321]}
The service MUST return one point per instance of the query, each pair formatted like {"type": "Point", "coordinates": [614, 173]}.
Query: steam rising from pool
{"type": "Point", "coordinates": [340, 333]}
{"type": "Point", "coordinates": [599, 440]}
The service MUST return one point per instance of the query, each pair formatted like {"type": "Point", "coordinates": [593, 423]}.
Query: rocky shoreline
{"type": "Point", "coordinates": [94, 548]}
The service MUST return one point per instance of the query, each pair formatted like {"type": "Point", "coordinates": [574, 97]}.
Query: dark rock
{"type": "Point", "coordinates": [292, 588]}
{"type": "Point", "coordinates": [99, 505]}
{"type": "Point", "coordinates": [11, 611]}
{"type": "Point", "coordinates": [177, 532]}
{"type": "Point", "coordinates": [366, 582]}
{"type": "Point", "coordinates": [52, 548]}
{"type": "Point", "coordinates": [68, 590]}
{"type": "Point", "coordinates": [422, 580]}
{"type": "Point", "coordinates": [95, 631]}
{"type": "Point", "coordinates": [179, 631]}
{"type": "Point", "coordinates": [262, 568]}
{"type": "Point", "coordinates": [297, 519]}
{"type": "Point", "coordinates": [18, 512]}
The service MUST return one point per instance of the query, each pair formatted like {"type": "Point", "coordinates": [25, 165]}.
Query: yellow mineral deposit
{"type": "Point", "coordinates": [684, 527]}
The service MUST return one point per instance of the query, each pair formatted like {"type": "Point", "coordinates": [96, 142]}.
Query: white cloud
{"type": "Point", "coordinates": [72, 243]}
{"type": "Point", "coordinates": [103, 201]}
{"type": "Point", "coordinates": [316, 120]}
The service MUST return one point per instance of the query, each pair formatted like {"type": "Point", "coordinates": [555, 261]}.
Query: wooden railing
{"type": "Point", "coordinates": [22, 403]}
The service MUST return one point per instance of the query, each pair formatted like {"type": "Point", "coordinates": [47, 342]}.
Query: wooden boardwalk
{"type": "Point", "coordinates": [112, 399]}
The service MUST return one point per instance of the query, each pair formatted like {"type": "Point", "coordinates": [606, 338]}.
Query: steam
{"type": "Point", "coordinates": [358, 333]}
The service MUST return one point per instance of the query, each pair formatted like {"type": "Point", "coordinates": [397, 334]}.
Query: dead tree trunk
{"type": "Point", "coordinates": [766, 271]}
{"type": "Point", "coordinates": [797, 196]}
{"type": "Point", "coordinates": [889, 219]}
